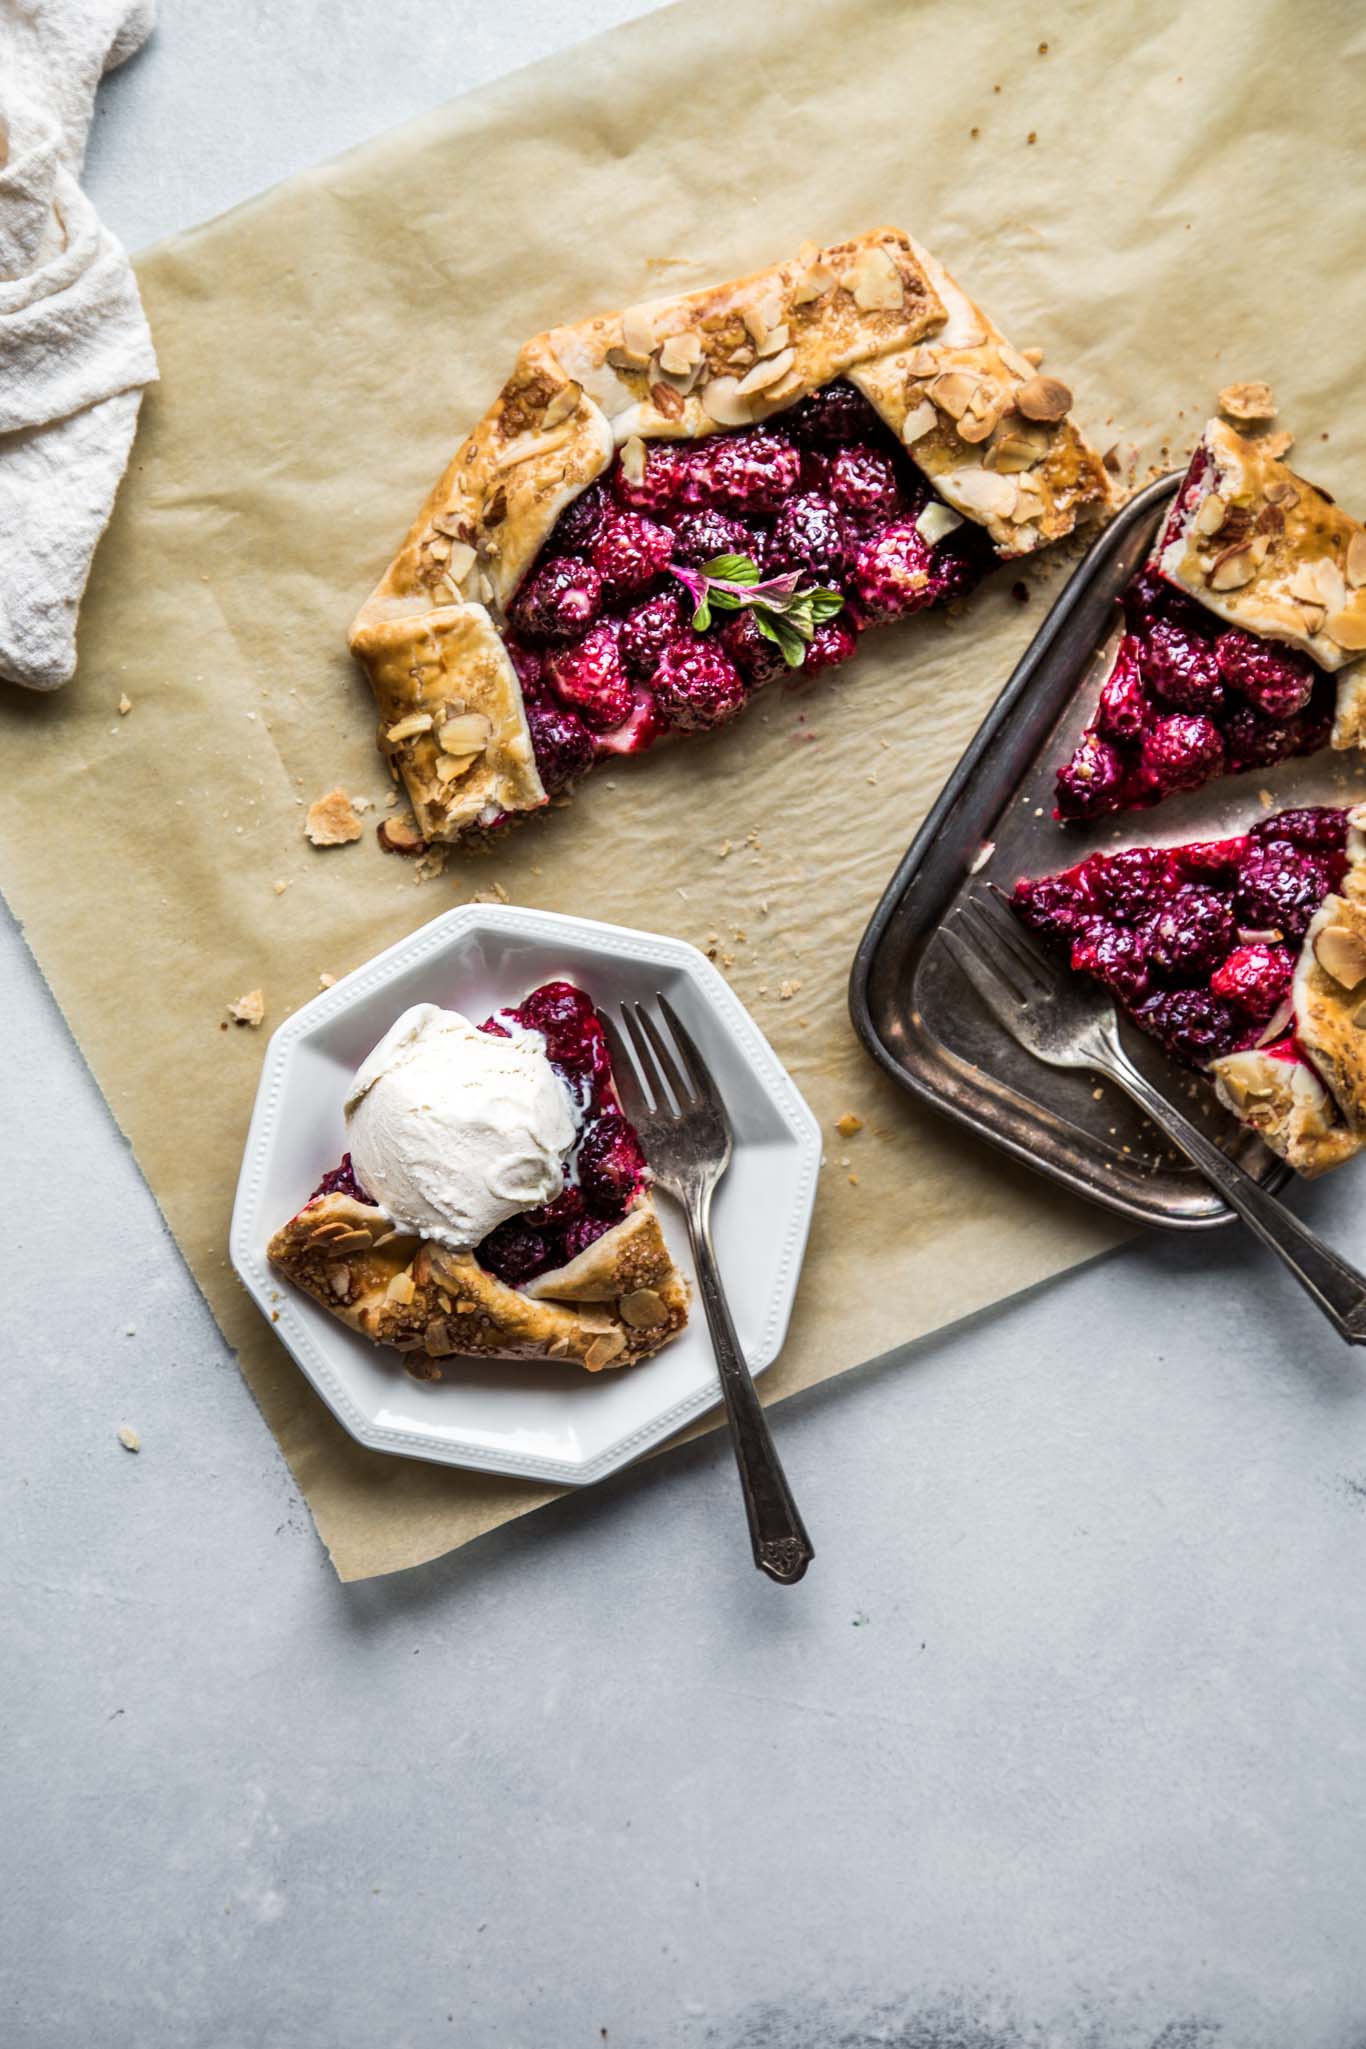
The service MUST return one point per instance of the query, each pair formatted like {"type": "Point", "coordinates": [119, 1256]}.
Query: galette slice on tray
{"type": "Point", "coordinates": [494, 1201]}
{"type": "Point", "coordinates": [668, 507]}
{"type": "Point", "coordinates": [1244, 957]}
{"type": "Point", "coordinates": [1241, 637]}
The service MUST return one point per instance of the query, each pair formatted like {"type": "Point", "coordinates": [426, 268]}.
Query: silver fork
{"type": "Point", "coordinates": [676, 1107]}
{"type": "Point", "coordinates": [1069, 1023]}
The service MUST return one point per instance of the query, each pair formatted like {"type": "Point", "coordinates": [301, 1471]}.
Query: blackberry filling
{"type": "Point", "coordinates": [1197, 943]}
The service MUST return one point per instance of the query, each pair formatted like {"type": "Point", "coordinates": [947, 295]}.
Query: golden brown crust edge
{"type": "Point", "coordinates": [621, 1301]}
{"type": "Point", "coordinates": [682, 368]}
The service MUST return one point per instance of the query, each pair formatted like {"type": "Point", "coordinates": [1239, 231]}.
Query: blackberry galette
{"type": "Point", "coordinates": [668, 507]}
{"type": "Point", "coordinates": [1238, 636]}
{"type": "Point", "coordinates": [1244, 957]}
{"type": "Point", "coordinates": [494, 1200]}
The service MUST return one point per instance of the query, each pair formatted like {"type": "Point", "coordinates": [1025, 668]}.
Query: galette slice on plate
{"type": "Point", "coordinates": [1241, 637]}
{"type": "Point", "coordinates": [494, 1201]}
{"type": "Point", "coordinates": [1245, 958]}
{"type": "Point", "coordinates": [667, 508]}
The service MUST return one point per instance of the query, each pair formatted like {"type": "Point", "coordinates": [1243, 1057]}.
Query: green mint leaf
{"type": "Point", "coordinates": [787, 638]}
{"type": "Point", "coordinates": [701, 618]}
{"type": "Point", "coordinates": [731, 569]}
{"type": "Point", "coordinates": [825, 604]}
{"type": "Point", "coordinates": [725, 601]}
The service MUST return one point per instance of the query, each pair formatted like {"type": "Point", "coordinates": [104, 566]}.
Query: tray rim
{"type": "Point", "coordinates": [1105, 545]}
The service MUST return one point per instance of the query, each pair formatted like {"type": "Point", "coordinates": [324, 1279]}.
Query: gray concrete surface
{"type": "Point", "coordinates": [1062, 1742]}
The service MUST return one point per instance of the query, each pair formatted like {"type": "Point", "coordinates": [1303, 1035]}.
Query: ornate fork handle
{"type": "Point", "coordinates": [1337, 1288]}
{"type": "Point", "coordinates": [778, 1536]}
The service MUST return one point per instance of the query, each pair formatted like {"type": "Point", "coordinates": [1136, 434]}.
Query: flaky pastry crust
{"type": "Point", "coordinates": [977, 418]}
{"type": "Point", "coordinates": [614, 1305]}
{"type": "Point", "coordinates": [1263, 549]}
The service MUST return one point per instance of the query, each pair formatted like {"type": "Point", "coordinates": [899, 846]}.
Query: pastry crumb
{"type": "Point", "coordinates": [1248, 405]}
{"type": "Point", "coordinates": [853, 1180]}
{"type": "Point", "coordinates": [279, 886]}
{"type": "Point", "coordinates": [331, 821]}
{"type": "Point", "coordinates": [431, 864]}
{"type": "Point", "coordinates": [249, 1009]}
{"type": "Point", "coordinates": [128, 1437]}
{"type": "Point", "coordinates": [326, 981]}
{"type": "Point", "coordinates": [787, 990]}
{"type": "Point", "coordinates": [494, 894]}
{"type": "Point", "coordinates": [848, 1124]}
{"type": "Point", "coordinates": [981, 857]}
{"type": "Point", "coordinates": [125, 705]}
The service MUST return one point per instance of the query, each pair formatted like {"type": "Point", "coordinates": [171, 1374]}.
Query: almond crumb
{"type": "Point", "coordinates": [848, 1124]}
{"type": "Point", "coordinates": [331, 820]}
{"type": "Point", "coordinates": [249, 1009]}
{"type": "Point", "coordinates": [125, 705]}
{"type": "Point", "coordinates": [279, 887]}
{"type": "Point", "coordinates": [787, 990]}
{"type": "Point", "coordinates": [853, 1180]}
{"type": "Point", "coordinates": [326, 981]}
{"type": "Point", "coordinates": [128, 1438]}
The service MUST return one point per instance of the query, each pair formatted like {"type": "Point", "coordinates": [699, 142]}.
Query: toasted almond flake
{"type": "Point", "coordinates": [1044, 398]}
{"type": "Point", "coordinates": [875, 282]}
{"type": "Point", "coordinates": [1247, 404]}
{"type": "Point", "coordinates": [331, 821]}
{"type": "Point", "coordinates": [815, 281]}
{"type": "Point", "coordinates": [1014, 453]}
{"type": "Point", "coordinates": [952, 392]}
{"type": "Point", "coordinates": [1341, 953]}
{"type": "Point", "coordinates": [400, 836]}
{"type": "Point", "coordinates": [755, 324]}
{"type": "Point", "coordinates": [1232, 568]}
{"type": "Point", "coordinates": [1209, 515]}
{"type": "Point", "coordinates": [1348, 627]}
{"type": "Point", "coordinates": [408, 729]}
{"type": "Point", "coordinates": [638, 330]}
{"type": "Point", "coordinates": [400, 1289]}
{"type": "Point", "coordinates": [848, 1124]}
{"type": "Point", "coordinates": [633, 459]}
{"type": "Point", "coordinates": [976, 427]}
{"type": "Point", "coordinates": [1032, 356]}
{"type": "Point", "coordinates": [249, 1009]}
{"type": "Point", "coordinates": [604, 1350]}
{"type": "Point", "coordinates": [525, 448]}
{"type": "Point", "coordinates": [981, 493]}
{"type": "Point", "coordinates": [461, 561]}
{"type": "Point", "coordinates": [681, 352]}
{"type": "Point", "coordinates": [722, 402]}
{"type": "Point", "coordinates": [125, 705]}
{"type": "Point", "coordinates": [643, 1307]}
{"type": "Point", "coordinates": [470, 733]}
{"type": "Point", "coordinates": [777, 338]}
{"type": "Point", "coordinates": [279, 887]}
{"type": "Point", "coordinates": [628, 359]}
{"type": "Point", "coordinates": [564, 402]}
{"type": "Point", "coordinates": [786, 387]}
{"type": "Point", "coordinates": [451, 767]}
{"type": "Point", "coordinates": [922, 361]}
{"type": "Point", "coordinates": [918, 422]}
{"type": "Point", "coordinates": [768, 370]}
{"type": "Point", "coordinates": [1312, 618]}
{"type": "Point", "coordinates": [128, 1437]}
{"type": "Point", "coordinates": [1356, 560]}
{"type": "Point", "coordinates": [935, 521]}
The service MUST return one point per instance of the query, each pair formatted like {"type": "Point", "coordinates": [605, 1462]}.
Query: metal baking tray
{"type": "Point", "coordinates": [922, 1021]}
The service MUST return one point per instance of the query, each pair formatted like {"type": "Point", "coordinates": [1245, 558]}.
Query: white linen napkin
{"type": "Point", "coordinates": [75, 352]}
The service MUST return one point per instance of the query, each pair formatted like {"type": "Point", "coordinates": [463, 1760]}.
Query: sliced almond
{"type": "Point", "coordinates": [918, 422]}
{"type": "Point", "coordinates": [936, 521]}
{"type": "Point", "coordinates": [977, 427]}
{"type": "Point", "coordinates": [524, 448]}
{"type": "Point", "coordinates": [439, 548]}
{"type": "Point", "coordinates": [875, 282]}
{"type": "Point", "coordinates": [408, 729]}
{"type": "Point", "coordinates": [604, 1350]}
{"type": "Point", "coordinates": [1312, 618]}
{"type": "Point", "coordinates": [400, 1289]}
{"type": "Point", "coordinates": [722, 402]}
{"type": "Point", "coordinates": [633, 459]}
{"type": "Point", "coordinates": [638, 329]}
{"type": "Point", "coordinates": [1247, 404]}
{"type": "Point", "coordinates": [1232, 568]}
{"type": "Point", "coordinates": [923, 361]}
{"type": "Point", "coordinates": [468, 733]}
{"type": "Point", "coordinates": [681, 352]}
{"type": "Point", "coordinates": [339, 1280]}
{"type": "Point", "coordinates": [1209, 515]}
{"type": "Point", "coordinates": [1033, 357]}
{"type": "Point", "coordinates": [452, 525]}
{"type": "Point", "coordinates": [787, 387]}
{"type": "Point", "coordinates": [1341, 953]}
{"type": "Point", "coordinates": [1348, 627]}
{"type": "Point", "coordinates": [952, 392]}
{"type": "Point", "coordinates": [564, 402]}
{"type": "Point", "coordinates": [451, 767]}
{"type": "Point", "coordinates": [768, 370]}
{"type": "Point", "coordinates": [778, 338]}
{"type": "Point", "coordinates": [815, 281]}
{"type": "Point", "coordinates": [1014, 453]}
{"type": "Point", "coordinates": [1359, 1017]}
{"type": "Point", "coordinates": [756, 325]}
{"type": "Point", "coordinates": [400, 836]}
{"type": "Point", "coordinates": [1356, 560]}
{"type": "Point", "coordinates": [460, 561]}
{"type": "Point", "coordinates": [982, 493]}
{"type": "Point", "coordinates": [249, 1009]}
{"type": "Point", "coordinates": [643, 1307]}
{"type": "Point", "coordinates": [1044, 398]}
{"type": "Point", "coordinates": [627, 359]}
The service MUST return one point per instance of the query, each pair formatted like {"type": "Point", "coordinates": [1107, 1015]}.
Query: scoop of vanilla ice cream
{"type": "Point", "coordinates": [453, 1130]}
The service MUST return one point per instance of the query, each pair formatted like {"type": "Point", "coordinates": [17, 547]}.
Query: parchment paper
{"type": "Point", "coordinates": [1163, 200]}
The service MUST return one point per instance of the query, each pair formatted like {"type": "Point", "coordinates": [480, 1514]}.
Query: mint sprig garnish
{"type": "Point", "coordinates": [783, 614]}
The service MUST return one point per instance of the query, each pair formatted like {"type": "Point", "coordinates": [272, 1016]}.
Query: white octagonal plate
{"type": "Point", "coordinates": [532, 1418]}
